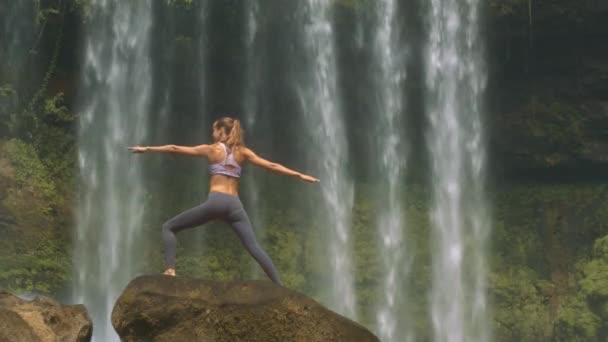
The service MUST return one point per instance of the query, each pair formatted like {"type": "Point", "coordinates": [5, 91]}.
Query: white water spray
{"type": "Point", "coordinates": [456, 82]}
{"type": "Point", "coordinates": [250, 113]}
{"type": "Point", "coordinates": [114, 107]}
{"type": "Point", "coordinates": [319, 98]}
{"type": "Point", "coordinates": [388, 70]}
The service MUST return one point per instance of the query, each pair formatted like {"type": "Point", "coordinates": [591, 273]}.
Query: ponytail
{"type": "Point", "coordinates": [236, 135]}
{"type": "Point", "coordinates": [234, 130]}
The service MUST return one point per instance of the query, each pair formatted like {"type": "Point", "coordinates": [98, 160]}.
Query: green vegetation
{"type": "Point", "coordinates": [34, 250]}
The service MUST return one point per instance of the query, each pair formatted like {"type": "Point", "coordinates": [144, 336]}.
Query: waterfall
{"type": "Point", "coordinates": [252, 79]}
{"type": "Point", "coordinates": [319, 97]}
{"type": "Point", "coordinates": [114, 107]}
{"type": "Point", "coordinates": [388, 74]}
{"type": "Point", "coordinates": [202, 72]}
{"type": "Point", "coordinates": [194, 178]}
{"type": "Point", "coordinates": [455, 84]}
{"type": "Point", "coordinates": [250, 111]}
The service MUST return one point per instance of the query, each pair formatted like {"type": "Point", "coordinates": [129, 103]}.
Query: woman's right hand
{"type": "Point", "coordinates": [138, 149]}
{"type": "Point", "coordinates": [308, 178]}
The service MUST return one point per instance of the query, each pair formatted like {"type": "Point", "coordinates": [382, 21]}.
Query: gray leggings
{"type": "Point", "coordinates": [222, 206]}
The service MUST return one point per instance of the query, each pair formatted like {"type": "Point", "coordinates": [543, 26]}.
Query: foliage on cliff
{"type": "Point", "coordinates": [34, 245]}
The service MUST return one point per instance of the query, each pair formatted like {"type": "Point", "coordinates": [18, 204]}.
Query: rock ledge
{"type": "Point", "coordinates": [163, 308]}
{"type": "Point", "coordinates": [42, 319]}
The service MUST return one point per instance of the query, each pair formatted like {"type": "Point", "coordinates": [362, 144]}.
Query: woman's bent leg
{"type": "Point", "coordinates": [190, 218]}
{"type": "Point", "coordinates": [242, 226]}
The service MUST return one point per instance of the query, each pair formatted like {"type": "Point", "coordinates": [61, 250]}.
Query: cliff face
{"type": "Point", "coordinates": [35, 222]}
{"type": "Point", "coordinates": [548, 94]}
{"type": "Point", "coordinates": [161, 308]}
{"type": "Point", "coordinates": [548, 128]}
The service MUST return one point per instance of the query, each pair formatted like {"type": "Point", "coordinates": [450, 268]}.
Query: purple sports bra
{"type": "Point", "coordinates": [219, 168]}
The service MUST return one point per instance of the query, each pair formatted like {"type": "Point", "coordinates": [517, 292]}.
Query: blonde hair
{"type": "Point", "coordinates": [233, 129]}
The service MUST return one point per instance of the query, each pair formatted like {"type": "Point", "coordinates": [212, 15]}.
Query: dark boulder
{"type": "Point", "coordinates": [42, 319]}
{"type": "Point", "coordinates": [163, 308]}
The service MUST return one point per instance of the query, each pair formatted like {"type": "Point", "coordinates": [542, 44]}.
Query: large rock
{"type": "Point", "coordinates": [42, 319]}
{"type": "Point", "coordinates": [163, 308]}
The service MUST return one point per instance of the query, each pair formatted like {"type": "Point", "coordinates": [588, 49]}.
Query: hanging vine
{"type": "Point", "coordinates": [29, 110]}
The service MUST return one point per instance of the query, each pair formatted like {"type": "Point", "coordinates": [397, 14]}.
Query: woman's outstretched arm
{"type": "Point", "coordinates": [254, 159]}
{"type": "Point", "coordinates": [199, 151]}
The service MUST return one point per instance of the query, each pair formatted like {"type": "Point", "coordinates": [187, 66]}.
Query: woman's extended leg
{"type": "Point", "coordinates": [190, 218]}
{"type": "Point", "coordinates": [239, 220]}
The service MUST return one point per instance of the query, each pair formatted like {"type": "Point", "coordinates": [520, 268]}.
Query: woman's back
{"type": "Point", "coordinates": [227, 163]}
{"type": "Point", "coordinates": [225, 166]}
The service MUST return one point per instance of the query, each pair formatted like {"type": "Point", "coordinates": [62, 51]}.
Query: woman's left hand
{"type": "Point", "coordinates": [308, 178]}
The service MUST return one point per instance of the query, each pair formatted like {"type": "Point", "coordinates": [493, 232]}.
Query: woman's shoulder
{"type": "Point", "coordinates": [241, 152]}
{"type": "Point", "coordinates": [217, 149]}
{"type": "Point", "coordinates": [242, 149]}
{"type": "Point", "coordinates": [223, 146]}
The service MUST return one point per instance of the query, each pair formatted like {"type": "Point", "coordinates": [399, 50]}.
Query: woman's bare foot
{"type": "Point", "coordinates": [169, 272]}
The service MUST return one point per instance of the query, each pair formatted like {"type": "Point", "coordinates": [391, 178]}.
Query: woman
{"type": "Point", "coordinates": [226, 156]}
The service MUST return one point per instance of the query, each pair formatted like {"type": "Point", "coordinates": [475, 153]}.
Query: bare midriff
{"type": "Point", "coordinates": [225, 184]}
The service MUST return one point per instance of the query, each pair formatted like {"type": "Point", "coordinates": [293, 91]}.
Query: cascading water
{"type": "Point", "coordinates": [455, 84]}
{"type": "Point", "coordinates": [249, 89]}
{"type": "Point", "coordinates": [252, 65]}
{"type": "Point", "coordinates": [251, 108]}
{"type": "Point", "coordinates": [205, 130]}
{"type": "Point", "coordinates": [202, 62]}
{"type": "Point", "coordinates": [319, 98]}
{"type": "Point", "coordinates": [114, 108]}
{"type": "Point", "coordinates": [250, 96]}
{"type": "Point", "coordinates": [388, 72]}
